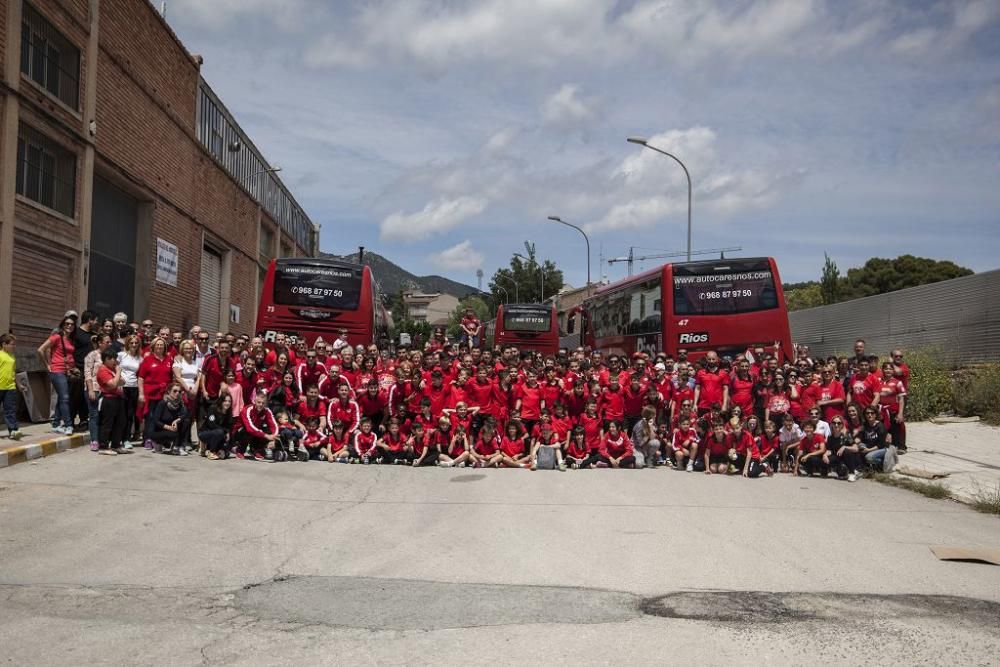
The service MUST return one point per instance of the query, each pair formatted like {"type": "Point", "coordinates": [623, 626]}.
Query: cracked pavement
{"type": "Point", "coordinates": [153, 560]}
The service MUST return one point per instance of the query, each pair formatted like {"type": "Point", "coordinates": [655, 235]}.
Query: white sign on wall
{"type": "Point", "coordinates": [166, 263]}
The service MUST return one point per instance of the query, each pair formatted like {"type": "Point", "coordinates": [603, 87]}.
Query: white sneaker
{"type": "Point", "coordinates": [852, 477]}
{"type": "Point", "coordinates": [690, 467]}
{"type": "Point", "coordinates": [67, 430]}
{"type": "Point", "coordinates": [181, 451]}
{"type": "Point", "coordinates": [126, 445]}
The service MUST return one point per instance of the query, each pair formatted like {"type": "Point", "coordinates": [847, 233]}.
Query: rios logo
{"type": "Point", "coordinates": [692, 338]}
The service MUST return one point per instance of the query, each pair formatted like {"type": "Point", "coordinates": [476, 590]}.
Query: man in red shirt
{"type": "Point", "coordinates": [344, 409]}
{"type": "Point", "coordinates": [310, 371]}
{"type": "Point", "coordinates": [864, 385]}
{"type": "Point", "coordinates": [528, 399]}
{"type": "Point", "coordinates": [612, 403]}
{"type": "Point", "coordinates": [373, 402]}
{"type": "Point", "coordinates": [831, 395]}
{"type": "Point", "coordinates": [711, 385]}
{"type": "Point", "coordinates": [438, 392]}
{"type": "Point", "coordinates": [213, 372]}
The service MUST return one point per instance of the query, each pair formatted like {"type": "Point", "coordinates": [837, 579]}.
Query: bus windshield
{"type": "Point", "coordinates": [317, 286]}
{"type": "Point", "coordinates": [725, 287]}
{"type": "Point", "coordinates": [527, 318]}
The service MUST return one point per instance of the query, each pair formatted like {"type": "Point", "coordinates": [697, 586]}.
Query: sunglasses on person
{"type": "Point", "coordinates": [202, 339]}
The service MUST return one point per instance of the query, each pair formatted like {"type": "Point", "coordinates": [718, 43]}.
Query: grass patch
{"type": "Point", "coordinates": [930, 489]}
{"type": "Point", "coordinates": [987, 501]}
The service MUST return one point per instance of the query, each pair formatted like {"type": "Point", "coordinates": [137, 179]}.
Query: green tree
{"type": "Point", "coordinates": [808, 295]}
{"type": "Point", "coordinates": [879, 275]}
{"type": "Point", "coordinates": [527, 275]}
{"type": "Point", "coordinates": [829, 283]}
{"type": "Point", "coordinates": [478, 305]}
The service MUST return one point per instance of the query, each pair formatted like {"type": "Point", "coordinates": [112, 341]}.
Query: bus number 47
{"type": "Point", "coordinates": [682, 323]}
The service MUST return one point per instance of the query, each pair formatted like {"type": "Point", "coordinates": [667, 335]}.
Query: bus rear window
{"type": "Point", "coordinates": [724, 288]}
{"type": "Point", "coordinates": [317, 286]}
{"type": "Point", "coordinates": [526, 319]}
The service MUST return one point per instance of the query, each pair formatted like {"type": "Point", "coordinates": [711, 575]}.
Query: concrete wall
{"type": "Point", "coordinates": [961, 316]}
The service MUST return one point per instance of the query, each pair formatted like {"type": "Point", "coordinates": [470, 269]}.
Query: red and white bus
{"type": "Point", "coordinates": [314, 297]}
{"type": "Point", "coordinates": [527, 326]}
{"type": "Point", "coordinates": [727, 305]}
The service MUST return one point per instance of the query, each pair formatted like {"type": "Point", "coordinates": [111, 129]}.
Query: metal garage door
{"type": "Point", "coordinates": [211, 289]}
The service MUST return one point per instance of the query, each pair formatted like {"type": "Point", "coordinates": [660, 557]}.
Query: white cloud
{"type": "Point", "coordinates": [565, 107]}
{"type": "Point", "coordinates": [916, 41]}
{"type": "Point", "coordinates": [460, 257]}
{"type": "Point", "coordinates": [636, 214]}
{"type": "Point", "coordinates": [436, 217]}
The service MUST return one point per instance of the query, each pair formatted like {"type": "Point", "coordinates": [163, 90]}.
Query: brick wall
{"type": "Point", "coordinates": [146, 107]}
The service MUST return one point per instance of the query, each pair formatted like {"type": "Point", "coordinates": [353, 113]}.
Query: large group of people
{"type": "Point", "coordinates": [454, 404]}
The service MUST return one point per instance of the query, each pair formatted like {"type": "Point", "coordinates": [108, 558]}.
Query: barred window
{"type": "Point", "coordinates": [46, 172]}
{"type": "Point", "coordinates": [48, 58]}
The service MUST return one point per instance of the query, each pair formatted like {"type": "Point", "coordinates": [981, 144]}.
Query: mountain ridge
{"type": "Point", "coordinates": [392, 278]}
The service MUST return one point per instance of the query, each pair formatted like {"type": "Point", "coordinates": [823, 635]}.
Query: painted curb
{"type": "Point", "coordinates": [36, 450]}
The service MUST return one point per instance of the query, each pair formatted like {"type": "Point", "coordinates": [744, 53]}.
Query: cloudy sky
{"type": "Point", "coordinates": [441, 133]}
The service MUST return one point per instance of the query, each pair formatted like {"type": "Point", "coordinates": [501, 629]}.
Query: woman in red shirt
{"type": "Point", "coordinates": [155, 374]}
{"type": "Point", "coordinates": [57, 355]}
{"type": "Point", "coordinates": [892, 401]}
{"type": "Point", "coordinates": [616, 448]}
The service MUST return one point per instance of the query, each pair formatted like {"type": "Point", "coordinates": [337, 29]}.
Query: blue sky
{"type": "Point", "coordinates": [442, 133]}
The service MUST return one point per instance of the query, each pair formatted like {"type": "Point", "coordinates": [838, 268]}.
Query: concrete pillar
{"type": "Point", "coordinates": [88, 114]}
{"type": "Point", "coordinates": [8, 157]}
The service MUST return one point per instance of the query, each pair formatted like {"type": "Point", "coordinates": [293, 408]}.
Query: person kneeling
{"type": "Point", "coordinates": [616, 448]}
{"type": "Point", "coordinates": [812, 450]}
{"type": "Point", "coordinates": [716, 451]}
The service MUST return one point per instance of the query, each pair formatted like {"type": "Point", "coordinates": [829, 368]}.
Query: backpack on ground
{"type": "Point", "coordinates": [545, 458]}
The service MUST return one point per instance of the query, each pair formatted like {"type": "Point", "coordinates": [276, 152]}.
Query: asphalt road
{"type": "Point", "coordinates": [161, 560]}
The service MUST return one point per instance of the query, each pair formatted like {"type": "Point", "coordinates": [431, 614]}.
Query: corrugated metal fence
{"type": "Point", "coordinates": [961, 316]}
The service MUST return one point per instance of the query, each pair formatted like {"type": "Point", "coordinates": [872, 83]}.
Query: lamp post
{"type": "Point", "coordinates": [556, 218]}
{"type": "Point", "coordinates": [643, 142]}
{"type": "Point", "coordinates": [500, 275]}
{"type": "Point", "coordinates": [506, 295]}
{"type": "Point", "coordinates": [541, 271]}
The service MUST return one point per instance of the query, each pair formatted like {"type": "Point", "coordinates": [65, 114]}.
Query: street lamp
{"type": "Point", "coordinates": [500, 275]}
{"type": "Point", "coordinates": [556, 218]}
{"type": "Point", "coordinates": [506, 294]}
{"type": "Point", "coordinates": [541, 271]}
{"type": "Point", "coordinates": [643, 142]}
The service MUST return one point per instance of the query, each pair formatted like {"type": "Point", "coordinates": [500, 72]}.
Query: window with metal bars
{"type": "Point", "coordinates": [46, 172]}
{"type": "Point", "coordinates": [48, 58]}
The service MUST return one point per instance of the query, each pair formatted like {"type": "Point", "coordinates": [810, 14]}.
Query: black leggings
{"type": "Point", "coordinates": [214, 439]}
{"type": "Point", "coordinates": [131, 402]}
{"type": "Point", "coordinates": [389, 456]}
{"type": "Point", "coordinates": [595, 457]}
{"type": "Point", "coordinates": [175, 439]}
{"type": "Point", "coordinates": [112, 422]}
{"type": "Point", "coordinates": [256, 445]}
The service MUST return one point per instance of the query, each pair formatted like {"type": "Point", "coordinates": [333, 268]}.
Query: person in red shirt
{"type": "Point", "coordinates": [769, 445]}
{"type": "Point", "coordinates": [892, 401]}
{"type": "Point", "coordinates": [486, 451]}
{"type": "Point", "coordinates": [458, 446]}
{"type": "Point", "coordinates": [552, 388]}
{"type": "Point", "coordinates": [593, 427]}
{"type": "Point", "coordinates": [741, 387]}
{"type": "Point", "coordinates": [634, 396]}
{"type": "Point", "coordinates": [393, 445]}
{"type": "Point", "coordinates": [684, 444]}
{"type": "Point", "coordinates": [741, 443]}
{"type": "Point", "coordinates": [373, 403]}
{"type": "Point", "coordinates": [864, 385]}
{"type": "Point", "coordinates": [112, 419]}
{"type": "Point", "coordinates": [831, 397]}
{"type": "Point", "coordinates": [547, 438]}
{"type": "Point", "coordinates": [576, 400]}
{"type": "Point", "coordinates": [426, 449]}
{"type": "Point", "coordinates": [716, 450]}
{"type": "Point", "coordinates": [528, 400]}
{"type": "Point", "coordinates": [561, 422]}
{"type": "Point", "coordinates": [259, 429]}
{"type": "Point", "coordinates": [479, 395]}
{"type": "Point", "coordinates": [400, 393]}
{"type": "Point", "coordinates": [438, 392]}
{"type": "Point", "coordinates": [310, 371]}
{"type": "Point", "coordinates": [471, 326]}
{"type": "Point", "coordinates": [155, 374]}
{"type": "Point", "coordinates": [313, 441]}
{"type": "Point", "coordinates": [364, 443]}
{"type": "Point", "coordinates": [345, 410]}
{"type": "Point", "coordinates": [338, 443]}
{"type": "Point", "coordinates": [331, 383]}
{"type": "Point", "coordinates": [612, 403]}
{"type": "Point", "coordinates": [616, 448]}
{"type": "Point", "coordinates": [513, 448]}
{"type": "Point", "coordinates": [711, 385]}
{"type": "Point", "coordinates": [811, 450]}
{"type": "Point", "coordinates": [576, 448]}
{"type": "Point", "coordinates": [312, 406]}
{"type": "Point", "coordinates": [461, 415]}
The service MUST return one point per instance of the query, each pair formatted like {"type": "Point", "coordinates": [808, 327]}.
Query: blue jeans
{"type": "Point", "coordinates": [61, 385]}
{"type": "Point", "coordinates": [9, 398]}
{"type": "Point", "coordinates": [93, 417]}
{"type": "Point", "coordinates": [875, 459]}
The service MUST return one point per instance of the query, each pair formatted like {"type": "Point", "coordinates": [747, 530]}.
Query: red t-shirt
{"type": "Point", "coordinates": [364, 443]}
{"type": "Point", "coordinates": [394, 443]}
{"type": "Point", "coordinates": [864, 389]}
{"type": "Point", "coordinates": [371, 405]}
{"type": "Point", "coordinates": [890, 392]}
{"type": "Point", "coordinates": [617, 447]}
{"type": "Point", "coordinates": [512, 448]}
{"type": "Point", "coordinates": [156, 374]}
{"type": "Point", "coordinates": [306, 411]}
{"type": "Point", "coordinates": [684, 439]}
{"type": "Point", "coordinates": [487, 447]}
{"type": "Point", "coordinates": [712, 385]}
{"type": "Point", "coordinates": [832, 391]}
{"type": "Point", "coordinates": [105, 380]}
{"type": "Point", "coordinates": [741, 393]}
{"type": "Point", "coordinates": [717, 447]}
{"type": "Point", "coordinates": [612, 405]}
{"type": "Point", "coordinates": [60, 354]}
{"type": "Point", "coordinates": [811, 443]}
{"type": "Point", "coordinates": [592, 430]}
{"type": "Point", "coordinates": [531, 401]}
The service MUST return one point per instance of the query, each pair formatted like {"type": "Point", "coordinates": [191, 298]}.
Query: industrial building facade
{"type": "Point", "coordinates": [125, 184]}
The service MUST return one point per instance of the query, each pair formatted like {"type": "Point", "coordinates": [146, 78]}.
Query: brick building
{"type": "Point", "coordinates": [125, 184]}
{"type": "Point", "coordinates": [435, 308]}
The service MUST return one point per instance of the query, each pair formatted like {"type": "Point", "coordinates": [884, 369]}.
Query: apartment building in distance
{"type": "Point", "coordinates": [435, 309]}
{"type": "Point", "coordinates": [125, 183]}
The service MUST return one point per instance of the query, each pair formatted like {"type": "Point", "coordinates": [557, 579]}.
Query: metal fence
{"type": "Point", "coordinates": [961, 316]}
